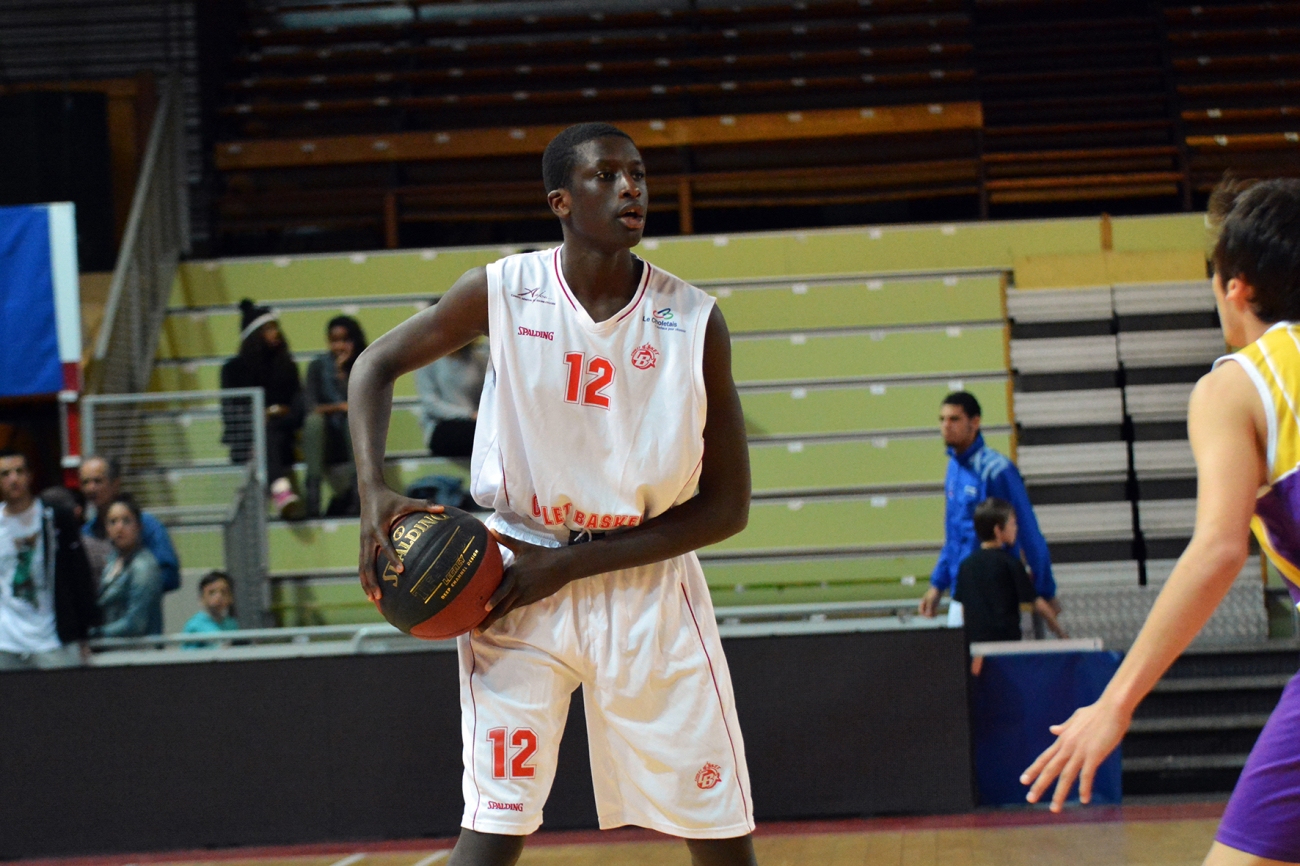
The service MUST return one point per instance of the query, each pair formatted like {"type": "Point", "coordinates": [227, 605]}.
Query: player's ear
{"type": "Point", "coordinates": [1239, 292]}
{"type": "Point", "coordinates": [559, 201]}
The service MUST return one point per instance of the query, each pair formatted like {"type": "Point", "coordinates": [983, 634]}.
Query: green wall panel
{"type": "Point", "coordinates": [846, 523]}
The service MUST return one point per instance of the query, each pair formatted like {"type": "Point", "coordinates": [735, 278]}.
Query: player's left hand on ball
{"type": "Point", "coordinates": [1082, 742]}
{"type": "Point", "coordinates": [379, 509]}
{"type": "Point", "coordinates": [536, 573]}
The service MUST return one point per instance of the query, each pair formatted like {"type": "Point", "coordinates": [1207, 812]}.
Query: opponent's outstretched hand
{"type": "Point", "coordinates": [1082, 742]}
{"type": "Point", "coordinates": [536, 573]}
{"type": "Point", "coordinates": [378, 511]}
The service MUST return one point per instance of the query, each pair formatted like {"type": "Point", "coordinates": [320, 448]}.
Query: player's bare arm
{"type": "Point", "coordinates": [1227, 429]}
{"type": "Point", "coordinates": [718, 511]}
{"type": "Point", "coordinates": [457, 319]}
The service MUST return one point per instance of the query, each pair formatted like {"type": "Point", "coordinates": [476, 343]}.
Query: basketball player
{"type": "Point", "coordinates": [610, 446]}
{"type": "Point", "coordinates": [1244, 425]}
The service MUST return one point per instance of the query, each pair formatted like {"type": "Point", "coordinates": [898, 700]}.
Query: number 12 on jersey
{"type": "Point", "coordinates": [600, 374]}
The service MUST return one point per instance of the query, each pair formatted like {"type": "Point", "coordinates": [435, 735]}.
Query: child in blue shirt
{"type": "Point", "coordinates": [217, 595]}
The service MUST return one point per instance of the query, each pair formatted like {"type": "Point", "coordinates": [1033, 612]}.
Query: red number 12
{"type": "Point", "coordinates": [523, 739]}
{"type": "Point", "coordinates": [602, 374]}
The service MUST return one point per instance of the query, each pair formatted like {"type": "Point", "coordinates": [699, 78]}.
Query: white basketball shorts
{"type": "Point", "coordinates": [666, 751]}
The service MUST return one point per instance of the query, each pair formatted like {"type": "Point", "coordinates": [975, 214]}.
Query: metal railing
{"type": "Point", "coordinates": [195, 457]}
{"type": "Point", "coordinates": [157, 235]}
{"type": "Point", "coordinates": [263, 643]}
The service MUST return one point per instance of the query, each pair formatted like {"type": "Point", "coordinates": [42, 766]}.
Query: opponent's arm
{"type": "Point", "coordinates": [1224, 420]}
{"type": "Point", "coordinates": [719, 510]}
{"type": "Point", "coordinates": [460, 317]}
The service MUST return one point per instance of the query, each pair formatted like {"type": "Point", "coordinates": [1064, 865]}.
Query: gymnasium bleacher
{"type": "Point", "coordinates": [844, 342]}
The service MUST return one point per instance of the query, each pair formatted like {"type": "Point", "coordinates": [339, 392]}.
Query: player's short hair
{"type": "Point", "coordinates": [965, 400]}
{"type": "Point", "coordinates": [991, 514]}
{"type": "Point", "coordinates": [212, 577]}
{"type": "Point", "coordinates": [561, 154]}
{"type": "Point", "coordinates": [1259, 242]}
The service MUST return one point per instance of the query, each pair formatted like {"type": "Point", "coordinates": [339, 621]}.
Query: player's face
{"type": "Point", "coordinates": [958, 428]}
{"type": "Point", "coordinates": [607, 195]}
{"type": "Point", "coordinates": [123, 529]}
{"type": "Point", "coordinates": [15, 480]}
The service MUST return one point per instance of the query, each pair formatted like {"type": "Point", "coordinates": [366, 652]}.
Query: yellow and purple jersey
{"type": "Point", "coordinates": [1273, 364]}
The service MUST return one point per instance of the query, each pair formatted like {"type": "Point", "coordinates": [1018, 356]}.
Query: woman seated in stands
{"type": "Point", "coordinates": [264, 361]}
{"type": "Point", "coordinates": [130, 589]}
{"type": "Point", "coordinates": [326, 441]}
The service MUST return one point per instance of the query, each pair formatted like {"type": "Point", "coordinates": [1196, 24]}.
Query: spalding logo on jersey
{"type": "Point", "coordinates": [645, 357]}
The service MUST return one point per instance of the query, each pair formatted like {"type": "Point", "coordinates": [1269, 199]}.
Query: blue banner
{"type": "Point", "coordinates": [29, 352]}
{"type": "Point", "coordinates": [1013, 702]}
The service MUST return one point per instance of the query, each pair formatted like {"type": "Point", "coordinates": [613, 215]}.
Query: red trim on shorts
{"type": "Point", "coordinates": [473, 737]}
{"type": "Point", "coordinates": [735, 762]}
{"type": "Point", "coordinates": [555, 260]}
{"type": "Point", "coordinates": [504, 486]}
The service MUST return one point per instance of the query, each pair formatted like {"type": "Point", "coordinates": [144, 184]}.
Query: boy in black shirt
{"type": "Point", "coordinates": [991, 585]}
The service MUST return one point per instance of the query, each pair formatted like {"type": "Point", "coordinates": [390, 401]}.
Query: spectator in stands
{"type": "Point", "coordinates": [326, 440]}
{"type": "Point", "coordinates": [217, 595]}
{"type": "Point", "coordinates": [101, 482]}
{"type": "Point", "coordinates": [47, 599]}
{"type": "Point", "coordinates": [264, 361]}
{"type": "Point", "coordinates": [97, 549]}
{"type": "Point", "coordinates": [130, 590]}
{"type": "Point", "coordinates": [992, 584]}
{"type": "Point", "coordinates": [449, 390]}
{"type": "Point", "coordinates": [976, 472]}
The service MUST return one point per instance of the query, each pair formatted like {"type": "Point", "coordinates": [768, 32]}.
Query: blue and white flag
{"type": "Point", "coordinates": [40, 300]}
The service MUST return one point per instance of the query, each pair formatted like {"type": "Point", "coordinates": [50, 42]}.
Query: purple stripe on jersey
{"type": "Point", "coordinates": [645, 281]}
{"type": "Point", "coordinates": [1279, 511]}
{"type": "Point", "coordinates": [1263, 816]}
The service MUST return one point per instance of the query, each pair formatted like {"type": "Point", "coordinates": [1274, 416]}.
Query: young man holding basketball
{"type": "Point", "coordinates": [1244, 424]}
{"type": "Point", "coordinates": [611, 446]}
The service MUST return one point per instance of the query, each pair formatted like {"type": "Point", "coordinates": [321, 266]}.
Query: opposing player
{"type": "Point", "coordinates": [1244, 424]}
{"type": "Point", "coordinates": [610, 446]}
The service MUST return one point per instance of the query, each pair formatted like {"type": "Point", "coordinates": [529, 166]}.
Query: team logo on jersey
{"type": "Point", "coordinates": [664, 320]}
{"type": "Point", "coordinates": [708, 777]}
{"type": "Point", "coordinates": [645, 357]}
{"type": "Point", "coordinates": [534, 296]}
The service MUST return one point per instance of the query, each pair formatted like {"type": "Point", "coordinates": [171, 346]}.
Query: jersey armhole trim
{"type": "Point", "coordinates": [1265, 397]}
{"type": "Point", "coordinates": [697, 352]}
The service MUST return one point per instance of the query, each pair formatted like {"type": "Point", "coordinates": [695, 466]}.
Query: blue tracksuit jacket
{"type": "Point", "coordinates": [973, 476]}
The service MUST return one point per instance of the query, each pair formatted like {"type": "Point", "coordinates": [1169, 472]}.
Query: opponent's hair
{"type": "Point", "coordinates": [991, 514]}
{"type": "Point", "coordinates": [965, 400]}
{"type": "Point", "coordinates": [212, 577]}
{"type": "Point", "coordinates": [1259, 242]}
{"type": "Point", "coordinates": [561, 154]}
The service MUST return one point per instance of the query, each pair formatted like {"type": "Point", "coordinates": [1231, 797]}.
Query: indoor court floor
{"type": "Point", "coordinates": [1145, 835]}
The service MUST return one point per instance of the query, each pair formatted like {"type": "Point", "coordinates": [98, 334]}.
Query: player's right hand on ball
{"type": "Point", "coordinates": [378, 511]}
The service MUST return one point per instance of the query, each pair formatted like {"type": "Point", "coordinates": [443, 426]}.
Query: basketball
{"type": "Point", "coordinates": [452, 567]}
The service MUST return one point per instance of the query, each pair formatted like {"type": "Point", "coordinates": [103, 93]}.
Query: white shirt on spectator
{"type": "Point", "coordinates": [25, 627]}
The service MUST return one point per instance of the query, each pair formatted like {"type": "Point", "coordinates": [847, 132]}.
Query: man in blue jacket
{"type": "Point", "coordinates": [976, 472]}
{"type": "Point", "coordinates": [101, 481]}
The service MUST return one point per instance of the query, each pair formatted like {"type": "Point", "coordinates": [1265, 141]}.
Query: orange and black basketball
{"type": "Point", "coordinates": [451, 567]}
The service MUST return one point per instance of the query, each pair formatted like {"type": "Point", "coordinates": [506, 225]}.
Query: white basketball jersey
{"type": "Point", "coordinates": [588, 425]}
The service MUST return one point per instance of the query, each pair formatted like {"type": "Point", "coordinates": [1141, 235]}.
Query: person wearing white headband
{"type": "Point", "coordinates": [264, 361]}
